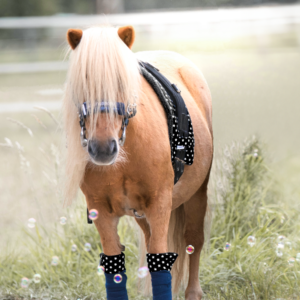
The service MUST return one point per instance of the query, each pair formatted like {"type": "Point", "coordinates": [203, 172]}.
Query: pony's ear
{"type": "Point", "coordinates": [127, 35]}
{"type": "Point", "coordinates": [74, 37]}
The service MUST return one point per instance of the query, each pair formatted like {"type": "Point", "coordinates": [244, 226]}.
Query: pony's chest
{"type": "Point", "coordinates": [117, 195]}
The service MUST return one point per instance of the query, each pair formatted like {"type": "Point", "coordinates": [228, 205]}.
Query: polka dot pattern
{"type": "Point", "coordinates": [113, 264]}
{"type": "Point", "coordinates": [187, 142]}
{"type": "Point", "coordinates": [161, 261]}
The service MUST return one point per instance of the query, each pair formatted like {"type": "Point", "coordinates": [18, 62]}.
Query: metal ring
{"type": "Point", "coordinates": [123, 136]}
{"type": "Point", "coordinates": [83, 138]}
{"type": "Point", "coordinates": [131, 110]}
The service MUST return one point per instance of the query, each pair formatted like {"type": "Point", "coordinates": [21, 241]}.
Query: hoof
{"type": "Point", "coordinates": [193, 294]}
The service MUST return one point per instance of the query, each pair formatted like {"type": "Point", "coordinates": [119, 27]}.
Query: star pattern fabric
{"type": "Point", "coordinates": [113, 264]}
{"type": "Point", "coordinates": [161, 261]}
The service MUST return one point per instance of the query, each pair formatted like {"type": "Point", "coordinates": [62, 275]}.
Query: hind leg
{"type": "Point", "coordinates": [146, 229]}
{"type": "Point", "coordinates": [195, 210]}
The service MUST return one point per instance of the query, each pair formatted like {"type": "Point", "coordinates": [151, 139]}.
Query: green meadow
{"type": "Point", "coordinates": [252, 248]}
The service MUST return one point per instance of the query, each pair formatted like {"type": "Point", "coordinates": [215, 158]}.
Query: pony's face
{"type": "Point", "coordinates": [102, 69]}
{"type": "Point", "coordinates": [103, 142]}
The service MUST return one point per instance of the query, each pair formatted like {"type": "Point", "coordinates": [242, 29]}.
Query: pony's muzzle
{"type": "Point", "coordinates": [103, 152]}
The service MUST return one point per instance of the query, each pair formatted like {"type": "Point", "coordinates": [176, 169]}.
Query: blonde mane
{"type": "Point", "coordinates": [102, 68]}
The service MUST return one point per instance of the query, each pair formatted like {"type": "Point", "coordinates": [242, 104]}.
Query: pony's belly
{"type": "Point", "coordinates": [193, 176]}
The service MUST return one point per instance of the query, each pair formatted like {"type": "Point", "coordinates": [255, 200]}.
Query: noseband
{"type": "Point", "coordinates": [103, 107]}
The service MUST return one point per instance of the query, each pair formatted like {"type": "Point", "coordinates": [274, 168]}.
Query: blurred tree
{"type": "Point", "coordinates": [21, 8]}
{"type": "Point", "coordinates": [109, 6]}
{"type": "Point", "coordinates": [76, 6]}
{"type": "Point", "coordinates": [27, 7]}
{"type": "Point", "coordinates": [132, 5]}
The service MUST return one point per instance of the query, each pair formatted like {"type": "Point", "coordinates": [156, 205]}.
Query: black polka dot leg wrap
{"type": "Point", "coordinates": [113, 264]}
{"type": "Point", "coordinates": [161, 261]}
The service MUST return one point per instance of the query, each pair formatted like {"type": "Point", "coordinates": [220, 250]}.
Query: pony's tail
{"type": "Point", "coordinates": [176, 243]}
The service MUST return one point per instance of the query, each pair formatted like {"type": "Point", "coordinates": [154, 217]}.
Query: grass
{"type": "Point", "coordinates": [75, 275]}
{"type": "Point", "coordinates": [246, 202]}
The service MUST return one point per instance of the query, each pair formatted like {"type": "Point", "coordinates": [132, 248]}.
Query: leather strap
{"type": "Point", "coordinates": [174, 93]}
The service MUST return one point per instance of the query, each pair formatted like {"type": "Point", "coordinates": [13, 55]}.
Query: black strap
{"type": "Point", "coordinates": [167, 106]}
{"type": "Point", "coordinates": [88, 217]}
{"type": "Point", "coordinates": [174, 93]}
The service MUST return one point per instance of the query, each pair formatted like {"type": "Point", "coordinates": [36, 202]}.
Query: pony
{"type": "Point", "coordinates": [137, 179]}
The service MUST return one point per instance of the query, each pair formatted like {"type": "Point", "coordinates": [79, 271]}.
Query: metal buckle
{"type": "Point", "coordinates": [123, 137]}
{"type": "Point", "coordinates": [82, 116]}
{"type": "Point", "coordinates": [176, 88]}
{"type": "Point", "coordinates": [83, 138]}
{"type": "Point", "coordinates": [131, 110]}
{"type": "Point", "coordinates": [84, 110]}
{"type": "Point", "coordinates": [123, 128]}
{"type": "Point", "coordinates": [178, 168]}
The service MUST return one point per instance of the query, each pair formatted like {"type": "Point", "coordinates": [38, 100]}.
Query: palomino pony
{"type": "Point", "coordinates": [136, 178]}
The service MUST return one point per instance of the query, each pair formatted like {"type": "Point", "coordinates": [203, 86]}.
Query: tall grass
{"type": "Point", "coordinates": [248, 202]}
{"type": "Point", "coordinates": [75, 275]}
{"type": "Point", "coordinates": [245, 201]}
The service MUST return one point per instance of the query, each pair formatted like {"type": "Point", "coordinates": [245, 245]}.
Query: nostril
{"type": "Point", "coordinates": [113, 146]}
{"type": "Point", "coordinates": [92, 148]}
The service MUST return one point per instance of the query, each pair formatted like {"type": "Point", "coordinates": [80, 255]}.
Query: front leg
{"type": "Point", "coordinates": [112, 259]}
{"type": "Point", "coordinates": [107, 226]}
{"type": "Point", "coordinates": [160, 261]}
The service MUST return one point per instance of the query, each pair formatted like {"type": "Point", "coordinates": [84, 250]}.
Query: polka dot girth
{"type": "Point", "coordinates": [161, 261]}
{"type": "Point", "coordinates": [113, 264]}
{"type": "Point", "coordinates": [180, 141]}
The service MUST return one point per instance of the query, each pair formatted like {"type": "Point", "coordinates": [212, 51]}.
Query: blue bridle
{"type": "Point", "coordinates": [104, 107]}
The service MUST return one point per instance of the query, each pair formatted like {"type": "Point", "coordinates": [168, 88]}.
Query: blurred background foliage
{"type": "Point", "coordinates": [16, 8]}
